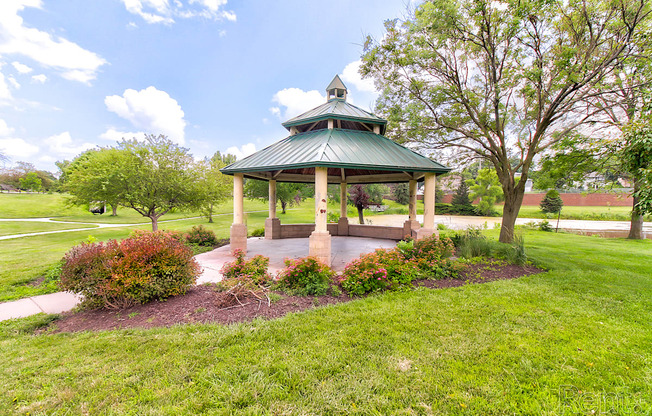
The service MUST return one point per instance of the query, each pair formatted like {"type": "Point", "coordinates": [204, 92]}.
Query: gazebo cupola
{"type": "Point", "coordinates": [336, 90]}
{"type": "Point", "coordinates": [335, 143]}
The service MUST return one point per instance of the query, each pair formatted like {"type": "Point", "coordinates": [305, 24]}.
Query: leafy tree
{"type": "Point", "coordinates": [225, 159]}
{"type": "Point", "coordinates": [360, 199]}
{"type": "Point", "coordinates": [551, 203]}
{"type": "Point", "coordinates": [288, 194]}
{"type": "Point", "coordinates": [461, 196]}
{"type": "Point", "coordinates": [96, 176]}
{"type": "Point", "coordinates": [636, 156]}
{"type": "Point", "coordinates": [486, 77]}
{"type": "Point", "coordinates": [486, 187]}
{"type": "Point", "coordinates": [214, 186]}
{"type": "Point", "coordinates": [156, 176]}
{"type": "Point", "coordinates": [376, 192]}
{"type": "Point", "coordinates": [31, 182]}
{"type": "Point", "coordinates": [401, 193]}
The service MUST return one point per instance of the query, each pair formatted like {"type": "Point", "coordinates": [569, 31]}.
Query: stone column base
{"type": "Point", "coordinates": [272, 228]}
{"type": "Point", "coordinates": [409, 227]}
{"type": "Point", "coordinates": [343, 226]}
{"type": "Point", "coordinates": [426, 232]}
{"type": "Point", "coordinates": [320, 246]}
{"type": "Point", "coordinates": [238, 237]}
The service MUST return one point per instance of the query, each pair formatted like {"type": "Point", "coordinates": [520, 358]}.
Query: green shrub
{"type": "Point", "coordinates": [119, 274]}
{"type": "Point", "coordinates": [551, 203]}
{"type": "Point", "coordinates": [448, 209]}
{"type": "Point", "coordinates": [306, 276]}
{"type": "Point", "coordinates": [255, 269]}
{"type": "Point", "coordinates": [201, 236]}
{"type": "Point", "coordinates": [401, 193]}
{"type": "Point", "coordinates": [333, 217]}
{"type": "Point", "coordinates": [545, 226]}
{"type": "Point", "coordinates": [258, 232]}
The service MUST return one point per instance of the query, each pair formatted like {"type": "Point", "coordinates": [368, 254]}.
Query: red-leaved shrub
{"type": "Point", "coordinates": [119, 274]}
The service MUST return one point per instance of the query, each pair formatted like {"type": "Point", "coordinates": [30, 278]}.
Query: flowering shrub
{"type": "Point", "coordinates": [119, 274]}
{"type": "Point", "coordinates": [381, 270]}
{"type": "Point", "coordinates": [390, 269]}
{"type": "Point", "coordinates": [430, 257]}
{"type": "Point", "coordinates": [201, 236]}
{"type": "Point", "coordinates": [306, 276]}
{"type": "Point", "coordinates": [255, 269]}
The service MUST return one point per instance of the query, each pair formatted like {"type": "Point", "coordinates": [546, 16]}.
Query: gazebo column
{"type": "Point", "coordinates": [429, 208]}
{"type": "Point", "coordinates": [320, 239]}
{"type": "Point", "coordinates": [343, 222]}
{"type": "Point", "coordinates": [272, 224]}
{"type": "Point", "coordinates": [239, 228]}
{"type": "Point", "coordinates": [412, 224]}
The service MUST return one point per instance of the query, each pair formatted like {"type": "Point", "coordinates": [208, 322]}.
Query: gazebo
{"type": "Point", "coordinates": [336, 143]}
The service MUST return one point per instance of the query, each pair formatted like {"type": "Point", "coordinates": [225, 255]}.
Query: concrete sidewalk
{"type": "Point", "coordinates": [52, 303]}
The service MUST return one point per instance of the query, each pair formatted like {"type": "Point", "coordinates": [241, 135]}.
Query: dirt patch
{"type": "Point", "coordinates": [200, 304]}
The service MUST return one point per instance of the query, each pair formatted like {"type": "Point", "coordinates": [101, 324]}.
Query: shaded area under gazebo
{"type": "Point", "coordinates": [335, 143]}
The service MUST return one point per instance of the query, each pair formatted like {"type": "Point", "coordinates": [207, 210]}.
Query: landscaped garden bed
{"type": "Point", "coordinates": [200, 304]}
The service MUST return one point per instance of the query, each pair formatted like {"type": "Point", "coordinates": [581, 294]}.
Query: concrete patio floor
{"type": "Point", "coordinates": [343, 250]}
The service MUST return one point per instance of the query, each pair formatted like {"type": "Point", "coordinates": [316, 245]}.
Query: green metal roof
{"type": "Point", "coordinates": [336, 109]}
{"type": "Point", "coordinates": [336, 148]}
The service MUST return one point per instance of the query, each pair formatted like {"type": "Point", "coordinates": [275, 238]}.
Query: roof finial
{"type": "Point", "coordinates": [336, 89]}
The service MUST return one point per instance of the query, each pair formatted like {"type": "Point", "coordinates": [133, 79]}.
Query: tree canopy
{"type": "Point", "coordinates": [156, 176]}
{"type": "Point", "coordinates": [501, 80]}
{"type": "Point", "coordinates": [95, 176]}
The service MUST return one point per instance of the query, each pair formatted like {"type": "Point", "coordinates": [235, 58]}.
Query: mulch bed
{"type": "Point", "coordinates": [200, 305]}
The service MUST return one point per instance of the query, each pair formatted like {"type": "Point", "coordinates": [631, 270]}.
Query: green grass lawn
{"type": "Point", "coordinates": [36, 206]}
{"type": "Point", "coordinates": [15, 227]}
{"type": "Point", "coordinates": [578, 213]}
{"type": "Point", "coordinates": [562, 342]}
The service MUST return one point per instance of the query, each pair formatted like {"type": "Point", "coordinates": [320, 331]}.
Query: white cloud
{"type": "Point", "coordinates": [296, 101]}
{"type": "Point", "coordinates": [5, 93]}
{"type": "Point", "coordinates": [62, 145]}
{"type": "Point", "coordinates": [5, 130]}
{"type": "Point", "coordinates": [17, 148]}
{"type": "Point", "coordinates": [116, 136]}
{"type": "Point", "coordinates": [162, 11]}
{"type": "Point", "coordinates": [351, 75]}
{"type": "Point", "coordinates": [22, 68]}
{"type": "Point", "coordinates": [150, 110]}
{"type": "Point", "coordinates": [40, 78]}
{"type": "Point", "coordinates": [50, 51]}
{"type": "Point", "coordinates": [242, 152]}
{"type": "Point", "coordinates": [13, 82]}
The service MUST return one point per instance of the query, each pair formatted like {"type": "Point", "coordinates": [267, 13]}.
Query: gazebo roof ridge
{"type": "Point", "coordinates": [336, 109]}
{"type": "Point", "coordinates": [335, 148]}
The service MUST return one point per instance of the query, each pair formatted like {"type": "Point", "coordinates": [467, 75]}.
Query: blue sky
{"type": "Point", "coordinates": [210, 74]}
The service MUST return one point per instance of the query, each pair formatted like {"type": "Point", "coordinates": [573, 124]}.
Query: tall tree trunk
{"type": "Point", "coordinates": [360, 214]}
{"type": "Point", "coordinates": [114, 209]}
{"type": "Point", "coordinates": [283, 205]}
{"type": "Point", "coordinates": [154, 223]}
{"type": "Point", "coordinates": [210, 212]}
{"type": "Point", "coordinates": [513, 201]}
{"type": "Point", "coordinates": [636, 227]}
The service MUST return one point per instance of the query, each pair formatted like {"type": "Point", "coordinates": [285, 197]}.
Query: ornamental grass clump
{"type": "Point", "coordinates": [138, 269]}
{"type": "Point", "coordinates": [306, 276]}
